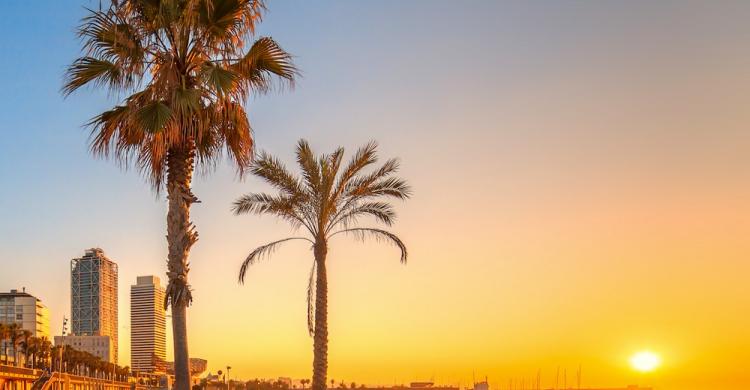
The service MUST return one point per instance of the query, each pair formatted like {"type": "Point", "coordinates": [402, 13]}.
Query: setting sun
{"type": "Point", "coordinates": [645, 361]}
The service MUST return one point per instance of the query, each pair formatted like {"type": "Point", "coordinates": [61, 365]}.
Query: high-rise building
{"type": "Point", "coordinates": [25, 310]}
{"type": "Point", "coordinates": [148, 340]}
{"type": "Point", "coordinates": [93, 297]}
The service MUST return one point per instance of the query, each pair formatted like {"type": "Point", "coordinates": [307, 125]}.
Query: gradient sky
{"type": "Point", "coordinates": [581, 182]}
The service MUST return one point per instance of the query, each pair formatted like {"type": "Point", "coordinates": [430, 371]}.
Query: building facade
{"type": "Point", "coordinates": [99, 346]}
{"type": "Point", "coordinates": [93, 298]}
{"type": "Point", "coordinates": [148, 338]}
{"type": "Point", "coordinates": [25, 310]}
{"type": "Point", "coordinates": [197, 367]}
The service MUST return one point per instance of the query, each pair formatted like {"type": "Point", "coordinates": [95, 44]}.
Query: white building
{"type": "Point", "coordinates": [148, 340]}
{"type": "Point", "coordinates": [25, 310]}
{"type": "Point", "coordinates": [99, 346]}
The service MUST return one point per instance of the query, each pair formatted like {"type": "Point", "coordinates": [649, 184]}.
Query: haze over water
{"type": "Point", "coordinates": [581, 176]}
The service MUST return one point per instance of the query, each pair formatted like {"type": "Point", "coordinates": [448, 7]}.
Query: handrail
{"type": "Point", "coordinates": [44, 380]}
{"type": "Point", "coordinates": [16, 370]}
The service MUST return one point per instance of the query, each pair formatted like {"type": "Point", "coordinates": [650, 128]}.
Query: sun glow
{"type": "Point", "coordinates": [645, 361]}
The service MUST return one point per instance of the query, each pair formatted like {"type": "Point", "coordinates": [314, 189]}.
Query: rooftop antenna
{"type": "Point", "coordinates": [579, 376]}
{"type": "Point", "coordinates": [565, 378]}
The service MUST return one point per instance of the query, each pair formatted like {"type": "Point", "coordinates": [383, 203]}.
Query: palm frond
{"type": "Point", "coordinates": [186, 101]}
{"type": "Point", "coordinates": [153, 116]}
{"type": "Point", "coordinates": [104, 36]}
{"type": "Point", "coordinates": [378, 183]}
{"type": "Point", "coordinates": [364, 157]}
{"type": "Point", "coordinates": [284, 207]}
{"type": "Point", "coordinates": [228, 123]}
{"type": "Point", "coordinates": [309, 166]}
{"type": "Point", "coordinates": [382, 211]}
{"type": "Point", "coordinates": [221, 80]}
{"type": "Point", "coordinates": [228, 20]}
{"type": "Point", "coordinates": [393, 187]}
{"type": "Point", "coordinates": [264, 60]}
{"type": "Point", "coordinates": [101, 73]}
{"type": "Point", "coordinates": [253, 204]}
{"type": "Point", "coordinates": [260, 252]}
{"type": "Point", "coordinates": [330, 169]}
{"type": "Point", "coordinates": [379, 235]}
{"type": "Point", "coordinates": [273, 171]}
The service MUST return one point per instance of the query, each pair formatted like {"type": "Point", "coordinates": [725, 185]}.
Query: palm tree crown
{"type": "Point", "coordinates": [187, 73]}
{"type": "Point", "coordinates": [327, 200]}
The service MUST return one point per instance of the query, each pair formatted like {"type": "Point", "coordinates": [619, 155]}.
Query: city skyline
{"type": "Point", "coordinates": [580, 164]}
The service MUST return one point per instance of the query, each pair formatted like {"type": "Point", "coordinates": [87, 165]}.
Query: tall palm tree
{"type": "Point", "coordinates": [15, 338]}
{"type": "Point", "coordinates": [25, 335]}
{"type": "Point", "coordinates": [327, 201]}
{"type": "Point", "coordinates": [3, 344]}
{"type": "Point", "coordinates": [185, 70]}
{"type": "Point", "coordinates": [31, 350]}
{"type": "Point", "coordinates": [44, 350]}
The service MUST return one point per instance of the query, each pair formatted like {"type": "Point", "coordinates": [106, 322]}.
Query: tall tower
{"type": "Point", "coordinates": [148, 340]}
{"type": "Point", "coordinates": [93, 297]}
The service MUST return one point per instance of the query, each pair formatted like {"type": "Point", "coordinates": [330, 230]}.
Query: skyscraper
{"type": "Point", "coordinates": [148, 340]}
{"type": "Point", "coordinates": [93, 297]}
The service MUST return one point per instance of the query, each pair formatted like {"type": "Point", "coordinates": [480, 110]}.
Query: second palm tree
{"type": "Point", "coordinates": [327, 201]}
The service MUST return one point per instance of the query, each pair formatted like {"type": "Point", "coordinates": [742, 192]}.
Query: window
{"type": "Point", "coordinates": [19, 317]}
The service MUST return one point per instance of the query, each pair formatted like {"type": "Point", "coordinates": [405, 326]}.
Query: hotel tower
{"type": "Point", "coordinates": [93, 303]}
{"type": "Point", "coordinates": [148, 351]}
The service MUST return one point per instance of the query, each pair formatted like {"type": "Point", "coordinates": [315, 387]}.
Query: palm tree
{"type": "Point", "coordinates": [186, 72]}
{"type": "Point", "coordinates": [327, 201]}
{"type": "Point", "coordinates": [31, 350]}
{"type": "Point", "coordinates": [3, 345]}
{"type": "Point", "coordinates": [25, 335]}
{"type": "Point", "coordinates": [15, 337]}
{"type": "Point", "coordinates": [44, 350]}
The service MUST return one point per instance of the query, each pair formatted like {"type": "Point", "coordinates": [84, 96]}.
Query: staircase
{"type": "Point", "coordinates": [41, 383]}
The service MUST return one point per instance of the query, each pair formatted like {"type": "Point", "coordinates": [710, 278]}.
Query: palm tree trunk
{"type": "Point", "coordinates": [181, 236]}
{"type": "Point", "coordinates": [320, 337]}
{"type": "Point", "coordinates": [5, 349]}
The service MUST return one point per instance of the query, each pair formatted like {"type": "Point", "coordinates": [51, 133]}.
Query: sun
{"type": "Point", "coordinates": [645, 361]}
